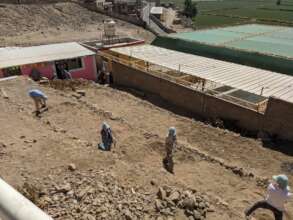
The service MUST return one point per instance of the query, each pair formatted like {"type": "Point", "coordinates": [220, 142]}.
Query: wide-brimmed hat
{"type": "Point", "coordinates": [282, 181]}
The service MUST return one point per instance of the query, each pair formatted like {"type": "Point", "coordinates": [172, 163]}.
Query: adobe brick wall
{"type": "Point", "coordinates": [278, 118]}
{"type": "Point", "coordinates": [243, 117]}
{"type": "Point", "coordinates": [199, 103]}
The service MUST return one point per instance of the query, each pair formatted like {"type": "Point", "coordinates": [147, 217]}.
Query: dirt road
{"type": "Point", "coordinates": [68, 133]}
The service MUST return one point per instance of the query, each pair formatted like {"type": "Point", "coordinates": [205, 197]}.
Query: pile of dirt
{"type": "Point", "coordinates": [89, 195]}
{"type": "Point", "coordinates": [194, 204]}
{"type": "Point", "coordinates": [72, 85]}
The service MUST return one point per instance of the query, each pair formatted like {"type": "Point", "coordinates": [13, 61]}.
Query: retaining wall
{"type": "Point", "coordinates": [277, 120]}
{"type": "Point", "coordinates": [194, 101]}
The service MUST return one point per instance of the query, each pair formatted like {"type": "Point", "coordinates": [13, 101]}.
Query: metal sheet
{"type": "Point", "coordinates": [28, 55]}
{"type": "Point", "coordinates": [234, 75]}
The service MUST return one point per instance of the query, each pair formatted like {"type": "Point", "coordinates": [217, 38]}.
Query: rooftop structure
{"type": "Point", "coordinates": [105, 44]}
{"type": "Point", "coordinates": [10, 57]}
{"type": "Point", "coordinates": [243, 82]}
{"type": "Point", "coordinates": [264, 46]}
{"type": "Point", "coordinates": [157, 10]}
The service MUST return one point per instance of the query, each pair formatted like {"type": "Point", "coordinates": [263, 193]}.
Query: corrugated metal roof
{"type": "Point", "coordinates": [238, 76]}
{"type": "Point", "coordinates": [44, 53]}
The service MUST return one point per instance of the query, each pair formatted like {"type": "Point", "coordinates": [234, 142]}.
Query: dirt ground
{"type": "Point", "coordinates": [38, 148]}
{"type": "Point", "coordinates": [228, 169]}
{"type": "Point", "coordinates": [23, 25]}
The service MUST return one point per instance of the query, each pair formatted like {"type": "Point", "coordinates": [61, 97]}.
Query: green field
{"type": "Point", "coordinates": [229, 12]}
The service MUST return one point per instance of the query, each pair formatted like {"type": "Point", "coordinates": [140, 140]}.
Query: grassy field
{"type": "Point", "coordinates": [210, 21]}
{"type": "Point", "coordinates": [229, 12]}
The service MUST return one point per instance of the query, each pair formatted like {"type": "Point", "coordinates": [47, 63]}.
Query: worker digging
{"type": "Point", "coordinates": [170, 144]}
{"type": "Point", "coordinates": [39, 99]}
{"type": "Point", "coordinates": [278, 193]}
{"type": "Point", "coordinates": [107, 138]}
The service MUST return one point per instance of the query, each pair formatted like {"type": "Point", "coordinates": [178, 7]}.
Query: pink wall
{"type": "Point", "coordinates": [46, 71]}
{"type": "Point", "coordinates": [89, 70]}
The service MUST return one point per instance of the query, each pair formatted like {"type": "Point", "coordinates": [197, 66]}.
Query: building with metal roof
{"type": "Point", "coordinates": [215, 76]}
{"type": "Point", "coordinates": [262, 46]}
{"type": "Point", "coordinates": [48, 59]}
{"type": "Point", "coordinates": [28, 55]}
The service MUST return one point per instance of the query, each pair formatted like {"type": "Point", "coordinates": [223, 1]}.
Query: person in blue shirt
{"type": "Point", "coordinates": [39, 98]}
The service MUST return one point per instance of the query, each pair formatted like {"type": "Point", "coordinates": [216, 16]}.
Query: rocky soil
{"type": "Point", "coordinates": [99, 195]}
{"type": "Point", "coordinates": [54, 161]}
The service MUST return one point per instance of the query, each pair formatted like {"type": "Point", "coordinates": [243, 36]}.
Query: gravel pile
{"type": "Point", "coordinates": [170, 200]}
{"type": "Point", "coordinates": [94, 195]}
{"type": "Point", "coordinates": [89, 195]}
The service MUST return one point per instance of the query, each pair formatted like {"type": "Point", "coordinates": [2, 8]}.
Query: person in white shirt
{"type": "Point", "coordinates": [278, 193]}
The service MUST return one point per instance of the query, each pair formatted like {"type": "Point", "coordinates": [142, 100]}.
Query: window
{"type": "Point", "coordinates": [12, 71]}
{"type": "Point", "coordinates": [73, 64]}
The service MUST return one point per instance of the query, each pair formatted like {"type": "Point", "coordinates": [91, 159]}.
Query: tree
{"type": "Point", "coordinates": [190, 9]}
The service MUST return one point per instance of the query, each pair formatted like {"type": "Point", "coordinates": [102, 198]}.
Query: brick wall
{"type": "Point", "coordinates": [279, 118]}
{"type": "Point", "coordinates": [194, 101]}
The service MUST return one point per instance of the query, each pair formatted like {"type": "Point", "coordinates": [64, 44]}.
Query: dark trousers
{"type": "Point", "coordinates": [264, 205]}
{"type": "Point", "coordinates": [168, 163]}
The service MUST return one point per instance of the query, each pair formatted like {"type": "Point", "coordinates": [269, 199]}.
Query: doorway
{"type": "Point", "coordinates": [60, 66]}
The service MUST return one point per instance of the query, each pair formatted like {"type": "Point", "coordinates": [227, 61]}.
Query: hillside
{"type": "Point", "coordinates": [226, 170]}
{"type": "Point", "coordinates": [29, 24]}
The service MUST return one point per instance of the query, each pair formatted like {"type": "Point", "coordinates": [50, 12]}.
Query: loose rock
{"type": "Point", "coordinates": [72, 167]}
